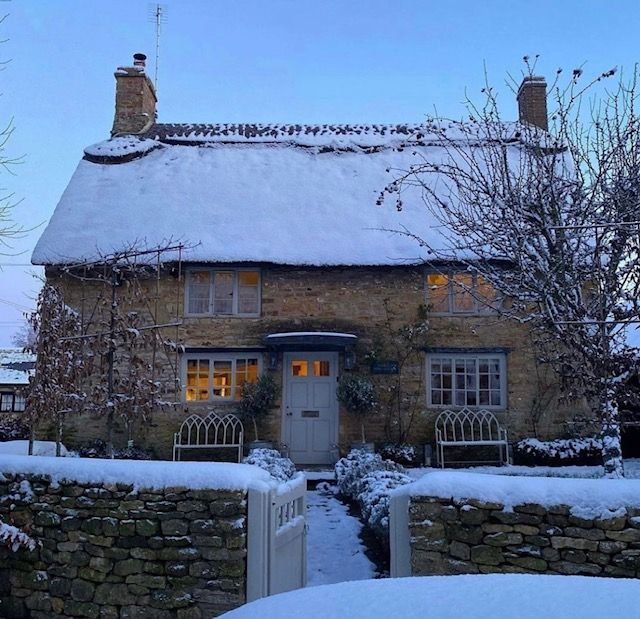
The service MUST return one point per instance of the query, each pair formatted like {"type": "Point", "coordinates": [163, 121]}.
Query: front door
{"type": "Point", "coordinates": [310, 426]}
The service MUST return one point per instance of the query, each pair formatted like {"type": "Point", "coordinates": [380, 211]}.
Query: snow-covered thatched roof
{"type": "Point", "coordinates": [16, 366]}
{"type": "Point", "coordinates": [287, 194]}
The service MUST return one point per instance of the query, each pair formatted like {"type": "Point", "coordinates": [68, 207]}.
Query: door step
{"type": "Point", "coordinates": [318, 473]}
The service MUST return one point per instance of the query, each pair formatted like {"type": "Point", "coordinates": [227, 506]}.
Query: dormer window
{"type": "Point", "coordinates": [223, 292]}
{"type": "Point", "coordinates": [460, 292]}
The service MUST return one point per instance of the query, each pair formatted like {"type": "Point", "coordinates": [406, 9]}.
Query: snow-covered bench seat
{"type": "Point", "coordinates": [210, 432]}
{"type": "Point", "coordinates": [469, 428]}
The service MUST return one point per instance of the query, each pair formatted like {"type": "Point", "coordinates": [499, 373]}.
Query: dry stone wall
{"type": "Point", "coordinates": [449, 536]}
{"type": "Point", "coordinates": [110, 552]}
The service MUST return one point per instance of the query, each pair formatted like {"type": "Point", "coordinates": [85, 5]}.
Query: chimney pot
{"type": "Point", "coordinates": [140, 60]}
{"type": "Point", "coordinates": [532, 101]}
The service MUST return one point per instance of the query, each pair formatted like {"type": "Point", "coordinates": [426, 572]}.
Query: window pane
{"type": "Point", "coordinates": [486, 295]}
{"type": "Point", "coordinates": [248, 287]}
{"type": "Point", "coordinates": [299, 368]}
{"type": "Point", "coordinates": [463, 300]}
{"type": "Point", "coordinates": [222, 379]}
{"type": "Point", "coordinates": [197, 380]}
{"type": "Point", "coordinates": [199, 289]}
{"type": "Point", "coordinates": [246, 372]}
{"type": "Point", "coordinates": [223, 292]}
{"type": "Point", "coordinates": [6, 402]}
{"type": "Point", "coordinates": [321, 368]}
{"type": "Point", "coordinates": [19, 403]}
{"type": "Point", "coordinates": [467, 381]}
{"type": "Point", "coordinates": [438, 292]}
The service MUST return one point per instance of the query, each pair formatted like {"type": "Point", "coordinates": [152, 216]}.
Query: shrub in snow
{"type": "Point", "coordinates": [13, 430]}
{"type": "Point", "coordinates": [257, 399]}
{"type": "Point", "coordinates": [561, 452]}
{"type": "Point", "coordinates": [374, 498]}
{"type": "Point", "coordinates": [368, 479]}
{"type": "Point", "coordinates": [402, 454]}
{"type": "Point", "coordinates": [358, 395]}
{"type": "Point", "coordinates": [271, 461]}
{"type": "Point", "coordinates": [98, 449]}
{"type": "Point", "coordinates": [351, 470]}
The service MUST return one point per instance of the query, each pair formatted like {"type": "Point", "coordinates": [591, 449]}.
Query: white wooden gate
{"type": "Point", "coordinates": [277, 539]}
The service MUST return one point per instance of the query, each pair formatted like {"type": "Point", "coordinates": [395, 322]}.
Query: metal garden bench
{"type": "Point", "coordinates": [470, 428]}
{"type": "Point", "coordinates": [210, 432]}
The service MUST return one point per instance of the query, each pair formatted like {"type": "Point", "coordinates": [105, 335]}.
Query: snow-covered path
{"type": "Point", "coordinates": [334, 550]}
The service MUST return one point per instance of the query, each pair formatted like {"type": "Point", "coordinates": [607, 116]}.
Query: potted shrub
{"type": "Point", "coordinates": [256, 400]}
{"type": "Point", "coordinates": [358, 395]}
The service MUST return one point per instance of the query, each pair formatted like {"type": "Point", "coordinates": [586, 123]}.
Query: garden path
{"type": "Point", "coordinates": [335, 552]}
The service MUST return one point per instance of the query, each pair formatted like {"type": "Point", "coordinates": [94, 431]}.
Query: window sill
{"type": "Point", "coordinates": [497, 409]}
{"type": "Point", "coordinates": [222, 315]}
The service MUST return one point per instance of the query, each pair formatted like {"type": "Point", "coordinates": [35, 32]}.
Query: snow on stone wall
{"type": "Point", "coordinates": [110, 550]}
{"type": "Point", "coordinates": [472, 523]}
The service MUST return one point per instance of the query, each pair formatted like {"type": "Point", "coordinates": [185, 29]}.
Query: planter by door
{"type": "Point", "coordinates": [310, 407]}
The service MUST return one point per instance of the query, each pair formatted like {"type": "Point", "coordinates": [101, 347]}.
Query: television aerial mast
{"type": "Point", "coordinates": [158, 16]}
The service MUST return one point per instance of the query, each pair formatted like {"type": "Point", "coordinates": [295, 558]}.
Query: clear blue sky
{"type": "Point", "coordinates": [267, 60]}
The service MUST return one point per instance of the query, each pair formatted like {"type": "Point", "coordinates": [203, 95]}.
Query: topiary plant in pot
{"type": "Point", "coordinates": [257, 399]}
{"type": "Point", "coordinates": [358, 395]}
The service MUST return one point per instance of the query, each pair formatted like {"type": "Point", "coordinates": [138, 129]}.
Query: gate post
{"type": "Point", "coordinates": [399, 536]}
{"type": "Point", "coordinates": [258, 531]}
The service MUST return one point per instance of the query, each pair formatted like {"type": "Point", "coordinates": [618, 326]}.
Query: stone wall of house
{"type": "Point", "coordinates": [470, 537]}
{"type": "Point", "coordinates": [358, 300]}
{"type": "Point", "coordinates": [111, 552]}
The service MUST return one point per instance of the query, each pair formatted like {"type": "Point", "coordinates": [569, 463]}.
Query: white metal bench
{"type": "Point", "coordinates": [210, 432]}
{"type": "Point", "coordinates": [470, 428]}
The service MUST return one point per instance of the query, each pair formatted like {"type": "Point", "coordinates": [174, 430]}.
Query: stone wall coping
{"type": "Point", "coordinates": [586, 498]}
{"type": "Point", "coordinates": [155, 474]}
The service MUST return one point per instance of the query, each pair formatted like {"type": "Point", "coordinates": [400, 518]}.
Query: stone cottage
{"type": "Point", "coordinates": [288, 266]}
{"type": "Point", "coordinates": [16, 367]}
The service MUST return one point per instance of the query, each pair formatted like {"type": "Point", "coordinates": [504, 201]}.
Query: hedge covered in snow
{"type": "Point", "coordinates": [271, 461]}
{"type": "Point", "coordinates": [561, 452]}
{"type": "Point", "coordinates": [368, 480]}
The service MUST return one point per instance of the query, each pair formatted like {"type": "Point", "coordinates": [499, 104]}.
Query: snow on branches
{"type": "Point", "coordinates": [15, 538]}
{"type": "Point", "coordinates": [550, 221]}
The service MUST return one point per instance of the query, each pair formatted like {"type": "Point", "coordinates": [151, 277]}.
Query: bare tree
{"type": "Point", "coordinates": [551, 221]}
{"type": "Point", "coordinates": [54, 390]}
{"type": "Point", "coordinates": [123, 341]}
{"type": "Point", "coordinates": [400, 394]}
{"type": "Point", "coordinates": [25, 336]}
{"type": "Point", "coordinates": [126, 386]}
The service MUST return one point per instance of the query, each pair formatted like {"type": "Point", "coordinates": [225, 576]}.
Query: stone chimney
{"type": "Point", "coordinates": [532, 102]}
{"type": "Point", "coordinates": [135, 98]}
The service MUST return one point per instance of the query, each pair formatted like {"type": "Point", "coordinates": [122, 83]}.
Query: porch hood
{"type": "Point", "coordinates": [310, 340]}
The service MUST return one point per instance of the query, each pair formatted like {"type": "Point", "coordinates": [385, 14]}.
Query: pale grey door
{"type": "Point", "coordinates": [310, 407]}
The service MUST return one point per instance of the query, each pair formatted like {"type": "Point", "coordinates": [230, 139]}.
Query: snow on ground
{"type": "Point", "coordinates": [40, 448]}
{"type": "Point", "coordinates": [525, 596]}
{"type": "Point", "coordinates": [631, 470]}
{"type": "Point", "coordinates": [588, 498]}
{"type": "Point", "coordinates": [142, 473]}
{"type": "Point", "coordinates": [335, 552]}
